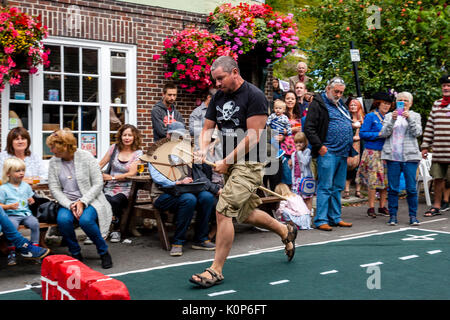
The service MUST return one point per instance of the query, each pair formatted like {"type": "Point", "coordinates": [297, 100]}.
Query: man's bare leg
{"type": "Point", "coordinates": [224, 241]}
{"type": "Point", "coordinates": [225, 236]}
{"type": "Point", "coordinates": [261, 219]}
{"type": "Point", "coordinates": [439, 187]}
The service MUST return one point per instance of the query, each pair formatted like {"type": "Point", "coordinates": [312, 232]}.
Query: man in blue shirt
{"type": "Point", "coordinates": [328, 127]}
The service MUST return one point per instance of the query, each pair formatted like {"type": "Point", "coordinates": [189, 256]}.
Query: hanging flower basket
{"type": "Point", "coordinates": [188, 56]}
{"type": "Point", "coordinates": [233, 31]}
{"type": "Point", "coordinates": [245, 27]}
{"type": "Point", "coordinates": [20, 45]}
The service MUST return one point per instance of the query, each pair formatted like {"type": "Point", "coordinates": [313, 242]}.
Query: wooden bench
{"type": "Point", "coordinates": [147, 210]}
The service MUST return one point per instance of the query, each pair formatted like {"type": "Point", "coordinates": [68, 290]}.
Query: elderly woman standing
{"type": "Point", "coordinates": [76, 182]}
{"type": "Point", "coordinates": [18, 145]}
{"type": "Point", "coordinates": [402, 154]}
{"type": "Point", "coordinates": [372, 170]}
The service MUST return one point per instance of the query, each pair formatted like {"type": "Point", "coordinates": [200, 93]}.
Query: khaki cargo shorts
{"type": "Point", "coordinates": [440, 170]}
{"type": "Point", "coordinates": [238, 198]}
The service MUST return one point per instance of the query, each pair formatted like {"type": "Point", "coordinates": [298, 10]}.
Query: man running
{"type": "Point", "coordinates": [239, 109]}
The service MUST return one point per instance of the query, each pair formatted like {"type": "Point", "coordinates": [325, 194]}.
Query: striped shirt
{"type": "Point", "coordinates": [437, 133]}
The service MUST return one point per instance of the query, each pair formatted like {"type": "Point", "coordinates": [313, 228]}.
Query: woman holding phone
{"type": "Point", "coordinates": [401, 128]}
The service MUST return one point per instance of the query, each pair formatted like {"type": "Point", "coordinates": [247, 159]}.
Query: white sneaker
{"type": "Point", "coordinates": [88, 241]}
{"type": "Point", "coordinates": [115, 236]}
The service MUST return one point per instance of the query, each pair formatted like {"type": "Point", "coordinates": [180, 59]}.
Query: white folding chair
{"type": "Point", "coordinates": [425, 177]}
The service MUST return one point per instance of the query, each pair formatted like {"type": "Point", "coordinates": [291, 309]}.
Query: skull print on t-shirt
{"type": "Point", "coordinates": [231, 111]}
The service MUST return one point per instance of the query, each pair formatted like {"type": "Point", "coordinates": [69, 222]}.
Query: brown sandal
{"type": "Point", "coordinates": [346, 195]}
{"type": "Point", "coordinates": [206, 282]}
{"type": "Point", "coordinates": [358, 194]}
{"type": "Point", "coordinates": [292, 235]}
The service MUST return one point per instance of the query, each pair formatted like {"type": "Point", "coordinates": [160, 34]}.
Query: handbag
{"type": "Point", "coordinates": [111, 159]}
{"type": "Point", "coordinates": [307, 186]}
{"type": "Point", "coordinates": [193, 187]}
{"type": "Point", "coordinates": [48, 211]}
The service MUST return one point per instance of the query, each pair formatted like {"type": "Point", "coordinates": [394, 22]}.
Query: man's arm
{"type": "Point", "coordinates": [159, 129]}
{"type": "Point", "coordinates": [205, 135]}
{"type": "Point", "coordinates": [255, 125]}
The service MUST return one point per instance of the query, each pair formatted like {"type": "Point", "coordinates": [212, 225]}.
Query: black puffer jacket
{"type": "Point", "coordinates": [316, 124]}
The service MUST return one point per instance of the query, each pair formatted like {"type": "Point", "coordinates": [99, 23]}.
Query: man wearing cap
{"type": "Point", "coordinates": [328, 127]}
{"type": "Point", "coordinates": [436, 136]}
{"type": "Point", "coordinates": [164, 197]}
{"type": "Point", "coordinates": [164, 112]}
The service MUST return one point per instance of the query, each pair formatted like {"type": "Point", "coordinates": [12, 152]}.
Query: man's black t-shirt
{"type": "Point", "coordinates": [231, 111]}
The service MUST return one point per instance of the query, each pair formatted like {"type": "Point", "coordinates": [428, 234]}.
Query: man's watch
{"type": "Point", "coordinates": [113, 178]}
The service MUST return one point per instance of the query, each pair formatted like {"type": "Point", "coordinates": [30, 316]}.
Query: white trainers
{"type": "Point", "coordinates": [88, 241]}
{"type": "Point", "coordinates": [115, 236]}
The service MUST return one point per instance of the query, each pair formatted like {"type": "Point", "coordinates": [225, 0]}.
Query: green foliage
{"type": "Point", "coordinates": [408, 52]}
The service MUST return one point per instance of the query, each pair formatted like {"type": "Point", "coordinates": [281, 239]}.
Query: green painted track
{"type": "Point", "coordinates": [405, 269]}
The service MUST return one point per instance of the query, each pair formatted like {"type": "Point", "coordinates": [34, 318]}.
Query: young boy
{"type": "Point", "coordinates": [280, 124]}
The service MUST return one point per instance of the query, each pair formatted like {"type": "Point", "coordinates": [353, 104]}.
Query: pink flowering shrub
{"type": "Point", "coordinates": [20, 45]}
{"type": "Point", "coordinates": [188, 56]}
{"type": "Point", "coordinates": [243, 27]}
{"type": "Point", "coordinates": [237, 30]}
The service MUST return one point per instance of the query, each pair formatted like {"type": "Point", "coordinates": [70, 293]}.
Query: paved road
{"type": "Point", "coordinates": [145, 252]}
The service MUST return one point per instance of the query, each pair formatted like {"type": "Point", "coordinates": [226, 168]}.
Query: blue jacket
{"type": "Point", "coordinates": [370, 131]}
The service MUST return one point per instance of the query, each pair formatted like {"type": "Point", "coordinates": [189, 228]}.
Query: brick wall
{"type": "Point", "coordinates": [112, 21]}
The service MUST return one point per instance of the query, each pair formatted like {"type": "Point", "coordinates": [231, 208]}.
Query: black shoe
{"type": "Point", "coordinates": [79, 257]}
{"type": "Point", "coordinates": [444, 206]}
{"type": "Point", "coordinates": [106, 261]}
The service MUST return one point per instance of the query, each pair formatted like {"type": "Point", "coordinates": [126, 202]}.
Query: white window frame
{"type": "Point", "coordinates": [36, 93]}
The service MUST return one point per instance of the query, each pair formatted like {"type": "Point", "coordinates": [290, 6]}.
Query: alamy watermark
{"type": "Point", "coordinates": [374, 20]}
{"type": "Point", "coordinates": [374, 280]}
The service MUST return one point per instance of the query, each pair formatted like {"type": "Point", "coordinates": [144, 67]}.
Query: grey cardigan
{"type": "Point", "coordinates": [90, 181]}
{"type": "Point", "coordinates": [411, 151]}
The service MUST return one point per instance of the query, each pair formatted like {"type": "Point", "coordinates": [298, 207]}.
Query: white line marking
{"type": "Point", "coordinates": [357, 234]}
{"type": "Point", "coordinates": [278, 282]}
{"type": "Point", "coordinates": [371, 264]}
{"type": "Point", "coordinates": [434, 251]}
{"type": "Point", "coordinates": [409, 257]}
{"type": "Point", "coordinates": [220, 293]}
{"type": "Point", "coordinates": [431, 221]}
{"type": "Point", "coordinates": [328, 272]}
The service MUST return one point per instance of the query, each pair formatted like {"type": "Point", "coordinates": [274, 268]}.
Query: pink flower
{"type": "Point", "coordinates": [168, 74]}
{"type": "Point", "coordinates": [189, 61]}
{"type": "Point", "coordinates": [14, 81]}
{"type": "Point", "coordinates": [156, 57]}
{"type": "Point", "coordinates": [268, 61]}
{"type": "Point", "coordinates": [9, 50]}
{"type": "Point", "coordinates": [174, 60]}
{"type": "Point", "coordinates": [33, 70]}
{"type": "Point", "coordinates": [269, 49]}
{"type": "Point", "coordinates": [181, 67]}
{"type": "Point", "coordinates": [3, 69]}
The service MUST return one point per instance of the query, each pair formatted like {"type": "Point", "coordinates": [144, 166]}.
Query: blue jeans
{"type": "Point", "coordinates": [409, 169]}
{"type": "Point", "coordinates": [286, 176]}
{"type": "Point", "coordinates": [87, 222]}
{"type": "Point", "coordinates": [184, 207]}
{"type": "Point", "coordinates": [10, 232]}
{"type": "Point", "coordinates": [331, 175]}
